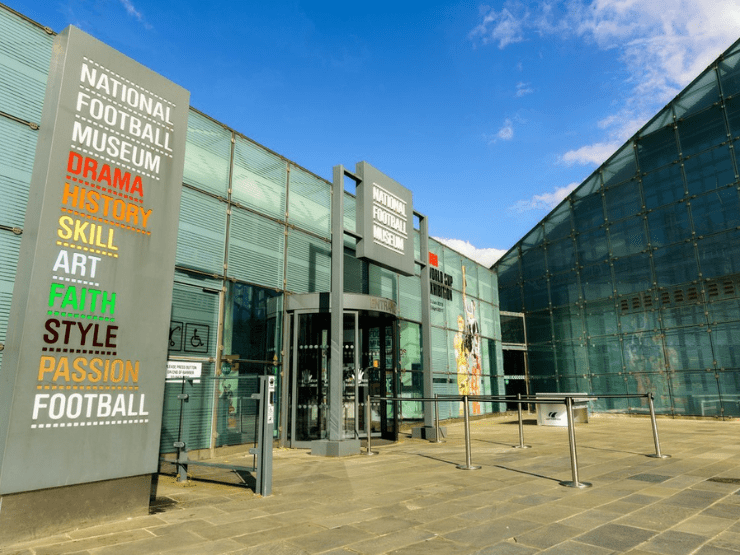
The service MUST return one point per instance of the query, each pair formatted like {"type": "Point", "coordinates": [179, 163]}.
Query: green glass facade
{"type": "Point", "coordinates": [632, 284]}
{"type": "Point", "coordinates": [254, 228]}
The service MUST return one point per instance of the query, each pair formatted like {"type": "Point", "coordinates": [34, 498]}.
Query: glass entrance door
{"type": "Point", "coordinates": [368, 347]}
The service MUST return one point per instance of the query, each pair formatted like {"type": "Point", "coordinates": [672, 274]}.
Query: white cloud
{"type": "Point", "coordinates": [485, 257]}
{"type": "Point", "coordinates": [545, 201]}
{"type": "Point", "coordinates": [663, 45]}
{"type": "Point", "coordinates": [590, 154]}
{"type": "Point", "coordinates": [132, 11]}
{"type": "Point", "coordinates": [506, 133]}
{"type": "Point", "coordinates": [523, 89]}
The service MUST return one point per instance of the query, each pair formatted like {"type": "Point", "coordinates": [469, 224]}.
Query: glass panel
{"type": "Point", "coordinates": [309, 205]}
{"type": "Point", "coordinates": [628, 236]}
{"type": "Point", "coordinates": [564, 289]}
{"type": "Point", "coordinates": [592, 246]}
{"type": "Point", "coordinates": [597, 282]}
{"type": "Point", "coordinates": [510, 299]}
{"type": "Point", "coordinates": [632, 274]}
{"type": "Point", "coordinates": [541, 363]}
{"type": "Point", "coordinates": [571, 358]}
{"type": "Point", "coordinates": [725, 339]}
{"type": "Point", "coordinates": [588, 212]}
{"type": "Point", "coordinates": [732, 110]}
{"type": "Point", "coordinates": [719, 254]}
{"type": "Point", "coordinates": [729, 385]}
{"type": "Point", "coordinates": [609, 384]}
{"type": "Point", "coordinates": [702, 131]}
{"type": "Point", "coordinates": [663, 186]}
{"type": "Point", "coordinates": [621, 166]}
{"type": "Point", "coordinates": [589, 187]}
{"type": "Point", "coordinates": [557, 224]}
{"type": "Point", "coordinates": [512, 329]}
{"type": "Point", "coordinates": [657, 149]}
{"type": "Point", "coordinates": [724, 311]}
{"type": "Point", "coordinates": [311, 379]}
{"type": "Point", "coordinates": [259, 179]}
{"type": "Point", "coordinates": [567, 323]}
{"type": "Point", "coordinates": [535, 294]}
{"type": "Point", "coordinates": [534, 237]}
{"type": "Point", "coordinates": [716, 211]}
{"type": "Point", "coordinates": [699, 95]}
{"type": "Point", "coordinates": [689, 349]}
{"type": "Point", "coordinates": [709, 170]}
{"type": "Point", "coordinates": [605, 355]}
{"type": "Point", "coordinates": [638, 321]}
{"type": "Point", "coordinates": [623, 200]}
{"type": "Point", "coordinates": [488, 327]}
{"type": "Point", "coordinates": [561, 255]}
{"type": "Point", "coordinates": [533, 263]}
{"type": "Point", "coordinates": [643, 352]}
{"type": "Point", "coordinates": [683, 316]}
{"type": "Point", "coordinates": [695, 394]}
{"type": "Point", "coordinates": [669, 224]}
{"type": "Point", "coordinates": [453, 265]}
{"type": "Point", "coordinates": [471, 278]}
{"type": "Point", "coordinates": [601, 318]}
{"type": "Point", "coordinates": [207, 155]}
{"type": "Point", "coordinates": [539, 327]}
{"type": "Point", "coordinates": [508, 270]}
{"type": "Point", "coordinates": [356, 273]}
{"type": "Point", "coordinates": [675, 264]}
{"type": "Point", "coordinates": [248, 332]}
{"type": "Point", "coordinates": [647, 383]}
{"type": "Point", "coordinates": [729, 74]}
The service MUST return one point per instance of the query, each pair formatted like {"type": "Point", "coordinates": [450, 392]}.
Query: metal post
{"type": "Point", "coordinates": [368, 422]}
{"type": "Point", "coordinates": [466, 412]}
{"type": "Point", "coordinates": [658, 454]}
{"type": "Point", "coordinates": [438, 439]}
{"type": "Point", "coordinates": [575, 483]}
{"type": "Point", "coordinates": [521, 424]}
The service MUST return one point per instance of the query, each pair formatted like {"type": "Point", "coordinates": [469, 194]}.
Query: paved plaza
{"type": "Point", "coordinates": [411, 498]}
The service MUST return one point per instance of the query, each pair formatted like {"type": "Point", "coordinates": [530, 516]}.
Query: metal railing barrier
{"type": "Point", "coordinates": [261, 420]}
{"type": "Point", "coordinates": [567, 400]}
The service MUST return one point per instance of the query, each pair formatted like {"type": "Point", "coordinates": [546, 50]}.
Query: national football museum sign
{"type": "Point", "coordinates": [385, 219]}
{"type": "Point", "coordinates": [84, 365]}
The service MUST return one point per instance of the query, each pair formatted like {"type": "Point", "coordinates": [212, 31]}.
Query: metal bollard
{"type": "Point", "coordinates": [658, 454]}
{"type": "Point", "coordinates": [437, 436]}
{"type": "Point", "coordinates": [575, 483]}
{"type": "Point", "coordinates": [521, 424]}
{"type": "Point", "coordinates": [368, 425]}
{"type": "Point", "coordinates": [466, 412]}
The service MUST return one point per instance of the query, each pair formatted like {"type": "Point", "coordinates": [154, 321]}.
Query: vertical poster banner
{"type": "Point", "coordinates": [82, 380]}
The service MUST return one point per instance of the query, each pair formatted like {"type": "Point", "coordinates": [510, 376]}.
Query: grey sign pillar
{"type": "Point", "coordinates": [335, 445]}
{"type": "Point", "coordinates": [428, 430]}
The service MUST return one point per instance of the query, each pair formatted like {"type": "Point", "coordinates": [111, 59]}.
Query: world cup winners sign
{"type": "Point", "coordinates": [83, 370]}
{"type": "Point", "coordinates": [385, 219]}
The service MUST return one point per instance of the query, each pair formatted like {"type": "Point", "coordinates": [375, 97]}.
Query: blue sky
{"type": "Point", "coordinates": [489, 112]}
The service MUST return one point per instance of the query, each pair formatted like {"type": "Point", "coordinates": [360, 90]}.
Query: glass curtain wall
{"type": "Point", "coordinates": [632, 284]}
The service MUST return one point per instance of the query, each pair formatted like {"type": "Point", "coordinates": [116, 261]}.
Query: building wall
{"type": "Point", "coordinates": [632, 284]}
{"type": "Point", "coordinates": [253, 226]}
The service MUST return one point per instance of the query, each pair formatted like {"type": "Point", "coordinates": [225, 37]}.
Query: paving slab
{"type": "Point", "coordinates": [411, 499]}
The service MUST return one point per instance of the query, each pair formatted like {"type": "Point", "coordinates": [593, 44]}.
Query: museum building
{"type": "Point", "coordinates": [630, 285]}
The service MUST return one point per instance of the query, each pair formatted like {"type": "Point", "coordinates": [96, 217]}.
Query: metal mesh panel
{"type": "Point", "coordinates": [309, 205]}
{"type": "Point", "coordinates": [256, 249]}
{"type": "Point", "coordinates": [259, 179]}
{"type": "Point", "coordinates": [202, 232]}
{"type": "Point", "coordinates": [17, 149]}
{"type": "Point", "coordinates": [207, 155]}
{"type": "Point", "coordinates": [410, 297]}
{"type": "Point", "coordinates": [25, 53]}
{"type": "Point", "coordinates": [309, 264]}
